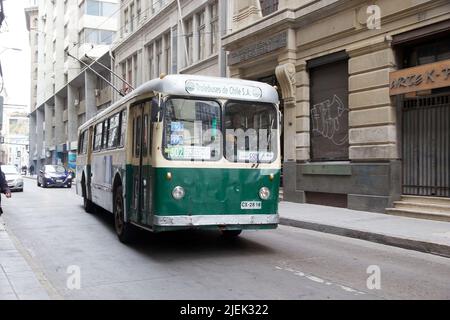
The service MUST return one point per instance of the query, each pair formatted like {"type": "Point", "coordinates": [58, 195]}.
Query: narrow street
{"type": "Point", "coordinates": [53, 230]}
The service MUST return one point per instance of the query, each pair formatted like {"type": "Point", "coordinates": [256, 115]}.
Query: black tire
{"type": "Point", "coordinates": [21, 190]}
{"type": "Point", "coordinates": [88, 205]}
{"type": "Point", "coordinates": [124, 230]}
{"type": "Point", "coordinates": [230, 234]}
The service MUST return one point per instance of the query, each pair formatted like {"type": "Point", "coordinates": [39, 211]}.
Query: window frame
{"type": "Point", "coordinates": [278, 145]}
{"type": "Point", "coordinates": [208, 99]}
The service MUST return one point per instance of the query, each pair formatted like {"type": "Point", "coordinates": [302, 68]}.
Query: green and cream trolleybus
{"type": "Point", "coordinates": [183, 152]}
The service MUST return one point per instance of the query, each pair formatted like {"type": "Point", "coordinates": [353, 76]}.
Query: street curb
{"type": "Point", "coordinates": [410, 244]}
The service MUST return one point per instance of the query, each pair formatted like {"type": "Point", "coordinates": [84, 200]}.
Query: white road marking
{"type": "Point", "coordinates": [319, 280]}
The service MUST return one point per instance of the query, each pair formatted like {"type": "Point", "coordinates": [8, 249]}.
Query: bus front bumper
{"type": "Point", "coordinates": [216, 220]}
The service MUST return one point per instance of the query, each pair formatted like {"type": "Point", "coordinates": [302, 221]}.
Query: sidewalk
{"type": "Point", "coordinates": [409, 233]}
{"type": "Point", "coordinates": [17, 279]}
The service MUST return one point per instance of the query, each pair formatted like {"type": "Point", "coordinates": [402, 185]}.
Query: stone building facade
{"type": "Point", "coordinates": [63, 93]}
{"type": "Point", "coordinates": [343, 139]}
{"type": "Point", "coordinates": [169, 37]}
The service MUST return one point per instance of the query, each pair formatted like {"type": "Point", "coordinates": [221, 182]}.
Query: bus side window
{"type": "Point", "coordinates": [80, 143]}
{"type": "Point", "coordinates": [98, 136]}
{"type": "Point", "coordinates": [123, 125]}
{"type": "Point", "coordinates": [145, 137]}
{"type": "Point", "coordinates": [105, 134]}
{"type": "Point", "coordinates": [137, 136]}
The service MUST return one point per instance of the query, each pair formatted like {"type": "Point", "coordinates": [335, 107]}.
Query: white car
{"type": "Point", "coordinates": [13, 178]}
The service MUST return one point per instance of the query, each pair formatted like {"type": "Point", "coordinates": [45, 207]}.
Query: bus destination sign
{"type": "Point", "coordinates": [220, 89]}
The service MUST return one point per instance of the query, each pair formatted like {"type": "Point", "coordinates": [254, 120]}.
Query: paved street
{"type": "Point", "coordinates": [55, 233]}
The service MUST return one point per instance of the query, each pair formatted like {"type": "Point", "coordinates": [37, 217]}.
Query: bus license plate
{"type": "Point", "coordinates": [250, 205]}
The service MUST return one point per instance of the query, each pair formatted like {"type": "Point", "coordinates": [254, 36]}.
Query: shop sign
{"type": "Point", "coordinates": [425, 77]}
{"type": "Point", "coordinates": [253, 50]}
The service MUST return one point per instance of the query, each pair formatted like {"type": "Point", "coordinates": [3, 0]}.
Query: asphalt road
{"type": "Point", "coordinates": [59, 238]}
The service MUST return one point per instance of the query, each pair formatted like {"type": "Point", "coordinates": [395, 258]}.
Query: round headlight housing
{"type": "Point", "coordinates": [178, 193]}
{"type": "Point", "coordinates": [264, 193]}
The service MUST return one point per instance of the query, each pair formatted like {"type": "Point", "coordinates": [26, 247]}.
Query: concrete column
{"type": "Point", "coordinates": [372, 113]}
{"type": "Point", "coordinates": [72, 94]}
{"type": "Point", "coordinates": [195, 39]}
{"type": "Point", "coordinates": [90, 100]}
{"type": "Point", "coordinates": [32, 136]}
{"type": "Point", "coordinates": [59, 124]}
{"type": "Point", "coordinates": [48, 116]}
{"type": "Point", "coordinates": [208, 29]}
{"type": "Point", "coordinates": [39, 137]}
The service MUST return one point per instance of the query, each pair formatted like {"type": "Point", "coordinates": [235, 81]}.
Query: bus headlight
{"type": "Point", "coordinates": [264, 193]}
{"type": "Point", "coordinates": [178, 193]}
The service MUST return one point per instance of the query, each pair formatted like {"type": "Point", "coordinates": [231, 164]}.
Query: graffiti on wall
{"type": "Point", "coordinates": [328, 118]}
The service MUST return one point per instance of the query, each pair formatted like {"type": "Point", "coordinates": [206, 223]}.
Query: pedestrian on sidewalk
{"type": "Point", "coordinates": [3, 188]}
{"type": "Point", "coordinates": [31, 170]}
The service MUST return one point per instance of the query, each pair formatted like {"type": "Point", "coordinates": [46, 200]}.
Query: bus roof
{"type": "Point", "coordinates": [200, 86]}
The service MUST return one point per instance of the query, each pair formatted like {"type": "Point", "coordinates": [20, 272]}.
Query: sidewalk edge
{"type": "Point", "coordinates": [410, 244]}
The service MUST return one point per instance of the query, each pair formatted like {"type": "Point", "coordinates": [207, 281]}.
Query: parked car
{"type": "Point", "coordinates": [54, 176]}
{"type": "Point", "coordinates": [13, 178]}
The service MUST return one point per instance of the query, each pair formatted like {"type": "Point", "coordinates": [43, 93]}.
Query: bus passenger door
{"type": "Point", "coordinates": [141, 166]}
{"type": "Point", "coordinates": [136, 113]}
{"type": "Point", "coordinates": [146, 168]}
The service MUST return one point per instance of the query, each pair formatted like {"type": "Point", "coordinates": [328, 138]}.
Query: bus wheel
{"type": "Point", "coordinates": [124, 230]}
{"type": "Point", "coordinates": [231, 233]}
{"type": "Point", "coordinates": [88, 205]}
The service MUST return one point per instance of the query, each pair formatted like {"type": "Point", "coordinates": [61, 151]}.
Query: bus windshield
{"type": "Point", "coordinates": [192, 130]}
{"type": "Point", "coordinates": [251, 132]}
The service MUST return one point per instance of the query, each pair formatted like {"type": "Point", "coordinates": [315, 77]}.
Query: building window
{"type": "Point", "coordinates": [132, 17]}
{"type": "Point", "coordinates": [135, 67]}
{"type": "Point", "coordinates": [138, 10]}
{"type": "Point", "coordinates": [123, 67]}
{"type": "Point", "coordinates": [150, 61]}
{"type": "Point", "coordinates": [130, 71]}
{"type": "Point", "coordinates": [96, 36]}
{"type": "Point", "coordinates": [214, 27]}
{"type": "Point", "coordinates": [268, 6]}
{"type": "Point", "coordinates": [125, 25]}
{"type": "Point", "coordinates": [167, 52]}
{"type": "Point", "coordinates": [98, 8]}
{"type": "Point", "coordinates": [430, 52]}
{"type": "Point", "coordinates": [201, 35]}
{"type": "Point", "coordinates": [189, 41]}
{"type": "Point", "coordinates": [158, 57]}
